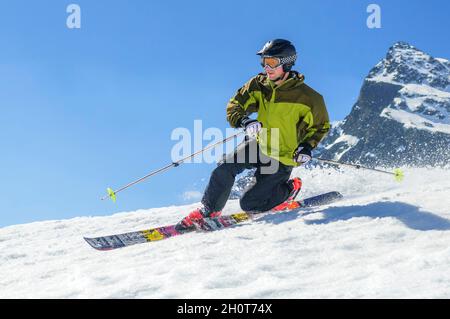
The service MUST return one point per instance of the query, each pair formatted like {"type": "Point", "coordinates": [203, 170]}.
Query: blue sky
{"type": "Point", "coordinates": [90, 108]}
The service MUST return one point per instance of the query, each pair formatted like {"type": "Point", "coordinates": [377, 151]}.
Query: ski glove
{"type": "Point", "coordinates": [251, 127]}
{"type": "Point", "coordinates": [302, 154]}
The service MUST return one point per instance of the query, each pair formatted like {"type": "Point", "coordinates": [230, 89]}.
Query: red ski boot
{"type": "Point", "coordinates": [296, 186]}
{"type": "Point", "coordinates": [188, 222]}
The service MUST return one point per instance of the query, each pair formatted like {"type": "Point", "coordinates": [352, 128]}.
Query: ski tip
{"type": "Point", "coordinates": [92, 242]}
{"type": "Point", "coordinates": [332, 195]}
{"type": "Point", "coordinates": [323, 199]}
{"type": "Point", "coordinates": [336, 194]}
{"type": "Point", "coordinates": [111, 194]}
{"type": "Point", "coordinates": [398, 174]}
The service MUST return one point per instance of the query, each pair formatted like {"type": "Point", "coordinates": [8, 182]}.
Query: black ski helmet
{"type": "Point", "coordinates": [282, 49]}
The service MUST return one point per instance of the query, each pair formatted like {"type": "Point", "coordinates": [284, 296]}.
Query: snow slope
{"type": "Point", "coordinates": [384, 240]}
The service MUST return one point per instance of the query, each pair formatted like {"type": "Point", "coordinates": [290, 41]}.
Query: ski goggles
{"type": "Point", "coordinates": [271, 62]}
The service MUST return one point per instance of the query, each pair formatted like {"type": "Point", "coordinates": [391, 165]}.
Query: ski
{"type": "Point", "coordinates": [205, 225]}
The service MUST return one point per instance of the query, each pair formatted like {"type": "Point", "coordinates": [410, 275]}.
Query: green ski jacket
{"type": "Point", "coordinates": [291, 114]}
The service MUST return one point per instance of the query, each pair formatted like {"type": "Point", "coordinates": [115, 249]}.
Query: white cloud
{"type": "Point", "coordinates": [192, 195]}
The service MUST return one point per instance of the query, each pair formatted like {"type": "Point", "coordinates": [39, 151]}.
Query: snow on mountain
{"type": "Point", "coordinates": [383, 240]}
{"type": "Point", "coordinates": [348, 140]}
{"type": "Point", "coordinates": [421, 107]}
{"type": "Point", "coordinates": [411, 120]}
{"type": "Point", "coordinates": [402, 116]}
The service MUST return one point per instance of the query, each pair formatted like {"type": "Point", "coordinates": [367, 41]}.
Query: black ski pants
{"type": "Point", "coordinates": [269, 190]}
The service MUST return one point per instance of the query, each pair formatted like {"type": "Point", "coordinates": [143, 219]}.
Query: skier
{"type": "Point", "coordinates": [292, 119]}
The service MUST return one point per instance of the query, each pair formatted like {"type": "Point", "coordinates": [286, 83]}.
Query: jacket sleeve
{"type": "Point", "coordinates": [316, 124]}
{"type": "Point", "coordinates": [243, 103]}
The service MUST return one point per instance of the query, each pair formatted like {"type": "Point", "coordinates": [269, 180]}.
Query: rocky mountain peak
{"type": "Point", "coordinates": [405, 64]}
{"type": "Point", "coordinates": [402, 115]}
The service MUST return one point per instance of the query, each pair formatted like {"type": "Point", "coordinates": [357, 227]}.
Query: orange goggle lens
{"type": "Point", "coordinates": [272, 62]}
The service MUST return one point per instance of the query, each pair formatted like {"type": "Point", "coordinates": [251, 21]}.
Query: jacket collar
{"type": "Point", "coordinates": [294, 79]}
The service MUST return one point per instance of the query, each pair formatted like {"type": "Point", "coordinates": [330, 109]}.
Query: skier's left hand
{"type": "Point", "coordinates": [302, 154]}
{"type": "Point", "coordinates": [251, 127]}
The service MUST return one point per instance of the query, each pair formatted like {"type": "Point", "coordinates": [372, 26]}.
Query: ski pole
{"type": "Point", "coordinates": [398, 173]}
{"type": "Point", "coordinates": [112, 193]}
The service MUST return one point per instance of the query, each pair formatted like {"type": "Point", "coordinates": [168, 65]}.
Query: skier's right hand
{"type": "Point", "coordinates": [251, 127]}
